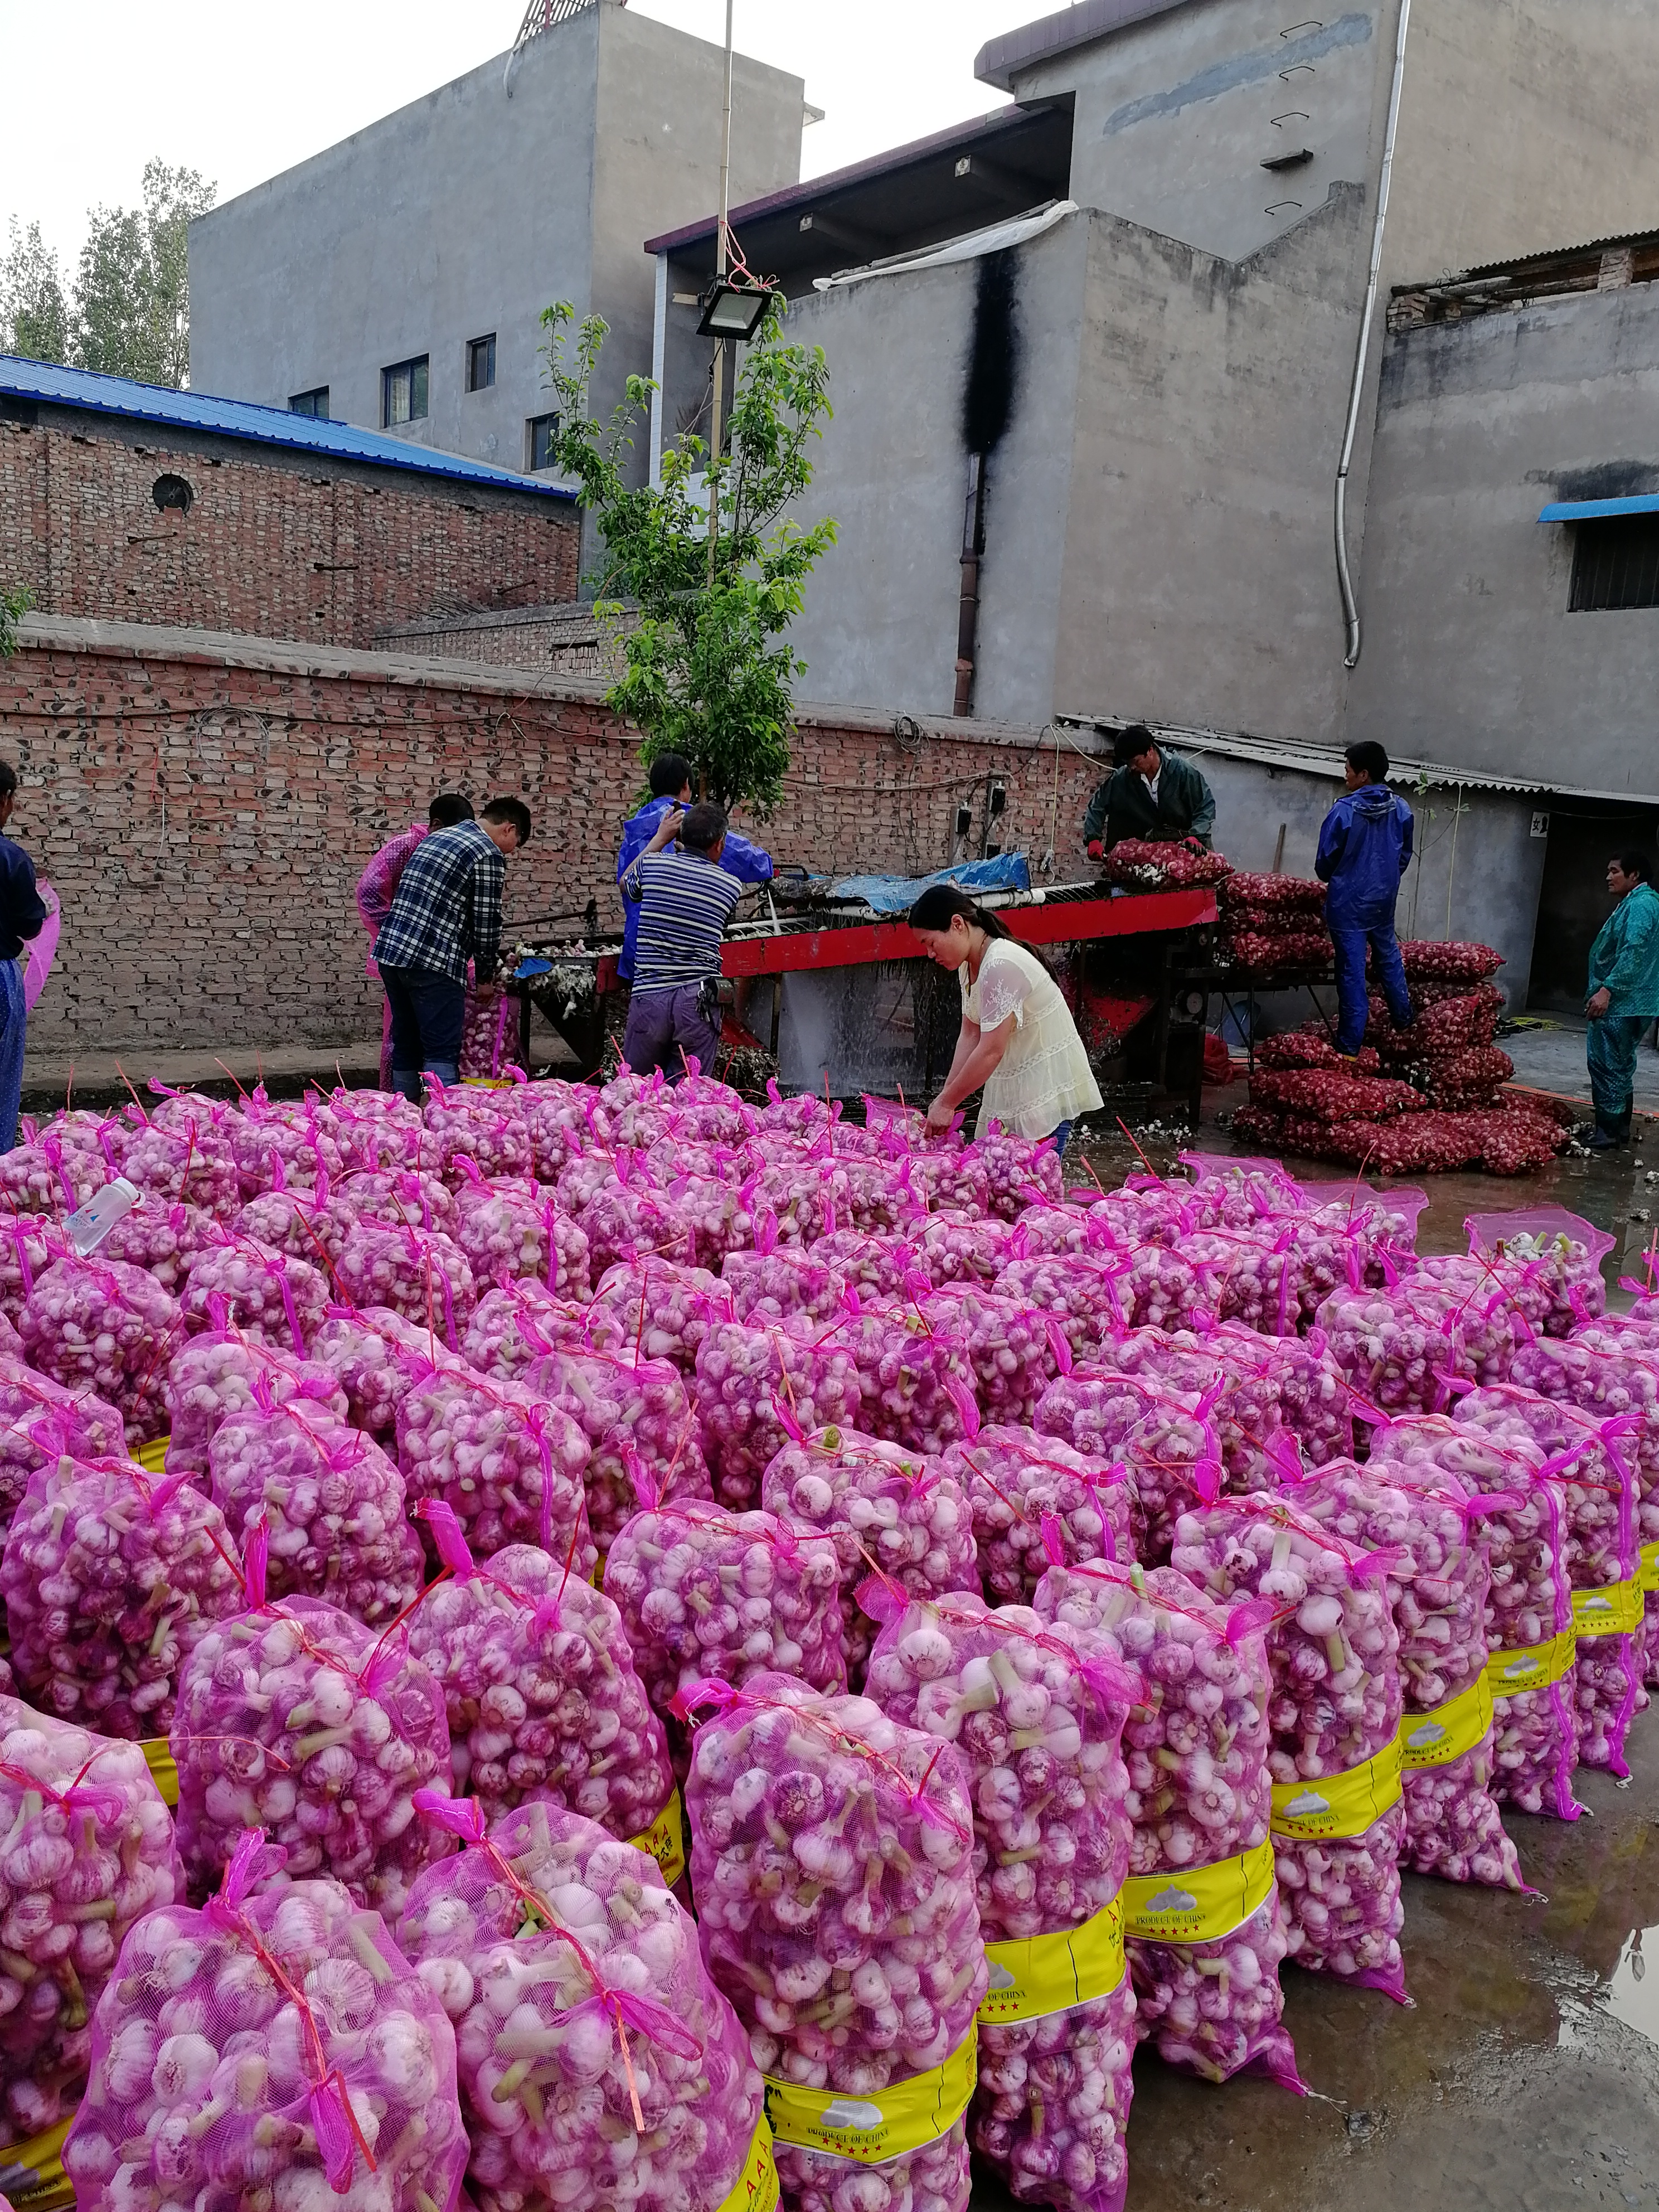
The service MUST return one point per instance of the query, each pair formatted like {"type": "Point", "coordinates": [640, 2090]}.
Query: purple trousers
{"type": "Point", "coordinates": [665, 1030]}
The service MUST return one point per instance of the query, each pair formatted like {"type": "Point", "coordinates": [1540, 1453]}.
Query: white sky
{"type": "Point", "coordinates": [242, 91]}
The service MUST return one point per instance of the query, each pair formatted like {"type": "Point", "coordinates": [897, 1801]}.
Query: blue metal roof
{"type": "Point", "coordinates": [241, 418]}
{"type": "Point", "coordinates": [1586, 510]}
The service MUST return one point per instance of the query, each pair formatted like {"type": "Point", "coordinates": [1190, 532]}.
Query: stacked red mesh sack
{"type": "Point", "coordinates": [1139, 864]}
{"type": "Point", "coordinates": [1274, 926]}
{"type": "Point", "coordinates": [1419, 1100]}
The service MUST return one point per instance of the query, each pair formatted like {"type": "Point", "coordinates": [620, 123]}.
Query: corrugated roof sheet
{"type": "Point", "coordinates": [241, 418]}
{"type": "Point", "coordinates": [1001, 58]}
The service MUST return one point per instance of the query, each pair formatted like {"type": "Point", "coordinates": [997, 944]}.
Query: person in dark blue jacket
{"type": "Point", "coordinates": [670, 790]}
{"type": "Point", "coordinates": [22, 917]}
{"type": "Point", "coordinates": [1364, 849]}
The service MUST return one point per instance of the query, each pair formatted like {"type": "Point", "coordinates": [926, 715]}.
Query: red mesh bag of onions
{"type": "Point", "coordinates": [1339, 1820]}
{"type": "Point", "coordinates": [1036, 1712]}
{"type": "Point", "coordinates": [1036, 1503]}
{"type": "Point", "coordinates": [1528, 1617]}
{"type": "Point", "coordinates": [539, 1685]}
{"type": "Point", "coordinates": [1326, 1095]}
{"type": "Point", "coordinates": [110, 1578]}
{"type": "Point", "coordinates": [511, 1466]}
{"type": "Point", "coordinates": [1444, 963]}
{"type": "Point", "coordinates": [599, 2066]}
{"type": "Point", "coordinates": [1201, 1908]}
{"type": "Point", "coordinates": [888, 1510]}
{"type": "Point", "coordinates": [1299, 894]}
{"type": "Point", "coordinates": [331, 1498]}
{"type": "Point", "coordinates": [212, 1378]}
{"type": "Point", "coordinates": [102, 1327]}
{"type": "Point", "coordinates": [1145, 865]}
{"type": "Point", "coordinates": [295, 1719]}
{"type": "Point", "coordinates": [277, 2036]}
{"type": "Point", "coordinates": [1438, 1594]}
{"type": "Point", "coordinates": [88, 1852]}
{"type": "Point", "coordinates": [832, 1855]}
{"type": "Point", "coordinates": [1313, 1047]}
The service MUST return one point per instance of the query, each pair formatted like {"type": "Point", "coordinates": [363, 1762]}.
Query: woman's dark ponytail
{"type": "Point", "coordinates": [941, 904]}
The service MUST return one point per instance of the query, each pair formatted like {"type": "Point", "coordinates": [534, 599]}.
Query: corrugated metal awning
{"type": "Point", "coordinates": [1587, 510]}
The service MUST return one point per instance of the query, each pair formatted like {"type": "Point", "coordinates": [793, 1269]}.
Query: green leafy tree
{"type": "Point", "coordinates": [13, 605]}
{"type": "Point", "coordinates": [131, 309]}
{"type": "Point", "coordinates": [33, 312]}
{"type": "Point", "coordinates": [709, 671]}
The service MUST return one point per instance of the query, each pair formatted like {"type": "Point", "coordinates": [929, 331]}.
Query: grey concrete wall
{"type": "Point", "coordinates": [1176, 116]}
{"type": "Point", "coordinates": [1473, 656]}
{"type": "Point", "coordinates": [470, 211]}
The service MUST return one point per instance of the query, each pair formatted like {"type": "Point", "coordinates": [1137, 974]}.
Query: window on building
{"type": "Point", "coordinates": [313, 403]}
{"type": "Point", "coordinates": [480, 364]}
{"type": "Point", "coordinates": [403, 393]}
{"type": "Point", "coordinates": [1615, 563]}
{"type": "Point", "coordinates": [543, 431]}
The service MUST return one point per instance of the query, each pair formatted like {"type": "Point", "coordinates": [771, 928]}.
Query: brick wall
{"type": "Point", "coordinates": [274, 544]}
{"type": "Point", "coordinates": [204, 806]}
{"type": "Point", "coordinates": [567, 641]}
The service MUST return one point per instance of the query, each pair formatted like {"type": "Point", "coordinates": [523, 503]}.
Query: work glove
{"type": "Point", "coordinates": [1094, 848]}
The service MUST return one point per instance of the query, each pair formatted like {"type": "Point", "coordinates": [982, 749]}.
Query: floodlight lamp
{"type": "Point", "coordinates": [734, 309]}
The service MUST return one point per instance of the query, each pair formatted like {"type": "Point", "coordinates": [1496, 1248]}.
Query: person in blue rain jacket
{"type": "Point", "coordinates": [1364, 849]}
{"type": "Point", "coordinates": [670, 788]}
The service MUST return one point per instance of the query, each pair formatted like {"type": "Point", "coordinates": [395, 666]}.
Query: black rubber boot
{"type": "Point", "coordinates": [1610, 1136]}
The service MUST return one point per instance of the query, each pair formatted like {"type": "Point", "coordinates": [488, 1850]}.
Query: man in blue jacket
{"type": "Point", "coordinates": [1624, 996]}
{"type": "Point", "coordinates": [1364, 849]}
{"type": "Point", "coordinates": [670, 792]}
{"type": "Point", "coordinates": [22, 917]}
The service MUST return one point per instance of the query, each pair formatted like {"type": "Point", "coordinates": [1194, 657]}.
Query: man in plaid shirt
{"type": "Point", "coordinates": [377, 887]}
{"type": "Point", "coordinates": [447, 912]}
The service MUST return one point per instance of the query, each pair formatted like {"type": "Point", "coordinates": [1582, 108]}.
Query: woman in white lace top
{"type": "Point", "coordinates": [1018, 1042]}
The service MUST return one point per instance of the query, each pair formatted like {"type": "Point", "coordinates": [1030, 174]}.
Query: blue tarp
{"type": "Point", "coordinates": [1009, 871]}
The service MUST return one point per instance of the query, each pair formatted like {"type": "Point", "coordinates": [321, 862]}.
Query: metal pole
{"type": "Point", "coordinates": [718, 429]}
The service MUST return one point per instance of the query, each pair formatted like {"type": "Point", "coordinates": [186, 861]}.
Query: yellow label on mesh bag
{"type": "Point", "coordinates": [1615, 1611]}
{"type": "Point", "coordinates": [158, 1757]}
{"type": "Point", "coordinates": [1341, 1804]}
{"type": "Point", "coordinates": [756, 2189]}
{"type": "Point", "coordinates": [1647, 1574]}
{"type": "Point", "coordinates": [665, 1840]}
{"type": "Point", "coordinates": [1038, 1975]}
{"type": "Point", "coordinates": [1513, 1674]}
{"type": "Point", "coordinates": [885, 2124]}
{"type": "Point", "coordinates": [153, 1458]}
{"type": "Point", "coordinates": [1436, 1738]}
{"type": "Point", "coordinates": [1200, 1904]}
{"type": "Point", "coordinates": [42, 2156]}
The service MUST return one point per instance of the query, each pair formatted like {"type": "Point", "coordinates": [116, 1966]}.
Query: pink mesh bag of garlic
{"type": "Point", "coordinates": [782, 1282]}
{"type": "Point", "coordinates": [599, 2066]}
{"type": "Point", "coordinates": [876, 1266]}
{"type": "Point", "coordinates": [748, 1379]}
{"type": "Point", "coordinates": [28, 1245]}
{"type": "Point", "coordinates": [482, 1126]}
{"type": "Point", "coordinates": [661, 1307]}
{"type": "Point", "coordinates": [377, 1358]}
{"type": "Point", "coordinates": [420, 1273]}
{"type": "Point", "coordinates": [1277, 1385]}
{"type": "Point", "coordinates": [1528, 1614]}
{"type": "Point", "coordinates": [832, 1857]}
{"type": "Point", "coordinates": [714, 1211]}
{"type": "Point", "coordinates": [212, 1378]}
{"type": "Point", "coordinates": [1437, 1591]}
{"type": "Point", "coordinates": [1339, 1817]}
{"type": "Point", "coordinates": [1076, 1290]}
{"type": "Point", "coordinates": [267, 1294]}
{"type": "Point", "coordinates": [1011, 1351]}
{"type": "Point", "coordinates": [111, 1577]}
{"type": "Point", "coordinates": [556, 1116]}
{"type": "Point", "coordinates": [870, 1196]}
{"type": "Point", "coordinates": [1201, 1910]}
{"type": "Point", "coordinates": [1019, 1171]}
{"type": "Point", "coordinates": [1172, 1457]}
{"type": "Point", "coordinates": [917, 1386]}
{"type": "Point", "coordinates": [512, 1228]}
{"type": "Point", "coordinates": [331, 1501]}
{"type": "Point", "coordinates": [80, 1425]}
{"type": "Point", "coordinates": [510, 1466]}
{"type": "Point", "coordinates": [377, 1129]}
{"type": "Point", "coordinates": [398, 1197]}
{"type": "Point", "coordinates": [295, 1719]}
{"type": "Point", "coordinates": [88, 1851]}
{"type": "Point", "coordinates": [796, 1191]}
{"type": "Point", "coordinates": [304, 1224]}
{"type": "Point", "coordinates": [1401, 1349]}
{"type": "Point", "coordinates": [1036, 1503]}
{"type": "Point", "coordinates": [1036, 1712]}
{"type": "Point", "coordinates": [48, 1178]}
{"type": "Point", "coordinates": [99, 1326]}
{"type": "Point", "coordinates": [543, 1697]}
{"type": "Point", "coordinates": [635, 1220]}
{"type": "Point", "coordinates": [281, 1146]}
{"type": "Point", "coordinates": [1247, 1381]}
{"type": "Point", "coordinates": [889, 1512]}
{"type": "Point", "coordinates": [963, 1248]}
{"type": "Point", "coordinates": [1547, 1241]}
{"type": "Point", "coordinates": [1595, 1462]}
{"type": "Point", "coordinates": [189, 1162]}
{"type": "Point", "coordinates": [705, 1592]}
{"type": "Point", "coordinates": [518, 1322]}
{"type": "Point", "coordinates": [274, 2047]}
{"type": "Point", "coordinates": [640, 1424]}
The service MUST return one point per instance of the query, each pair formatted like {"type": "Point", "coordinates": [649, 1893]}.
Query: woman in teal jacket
{"type": "Point", "coordinates": [1624, 996]}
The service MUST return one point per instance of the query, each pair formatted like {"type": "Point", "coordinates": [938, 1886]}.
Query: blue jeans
{"type": "Point", "coordinates": [13, 1021]}
{"type": "Point", "coordinates": [428, 1010]}
{"type": "Point", "coordinates": [1061, 1138]}
{"type": "Point", "coordinates": [1610, 1049]}
{"type": "Point", "coordinates": [1352, 1005]}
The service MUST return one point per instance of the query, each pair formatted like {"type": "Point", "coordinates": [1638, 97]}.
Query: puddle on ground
{"type": "Point", "coordinates": [1633, 1993]}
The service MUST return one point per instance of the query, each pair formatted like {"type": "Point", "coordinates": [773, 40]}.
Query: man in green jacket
{"type": "Point", "coordinates": [1624, 996]}
{"type": "Point", "coordinates": [1154, 795]}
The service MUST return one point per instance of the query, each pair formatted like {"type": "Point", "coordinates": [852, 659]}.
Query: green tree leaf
{"type": "Point", "coordinates": [33, 312]}
{"type": "Point", "coordinates": [13, 605]}
{"type": "Point", "coordinates": [131, 309]}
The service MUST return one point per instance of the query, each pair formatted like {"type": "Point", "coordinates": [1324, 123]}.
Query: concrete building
{"type": "Point", "coordinates": [398, 280]}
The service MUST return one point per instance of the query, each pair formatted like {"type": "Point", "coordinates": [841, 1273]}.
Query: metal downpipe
{"type": "Point", "coordinates": [1362, 357]}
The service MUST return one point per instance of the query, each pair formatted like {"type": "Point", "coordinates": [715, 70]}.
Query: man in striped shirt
{"type": "Point", "coordinates": [685, 900]}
